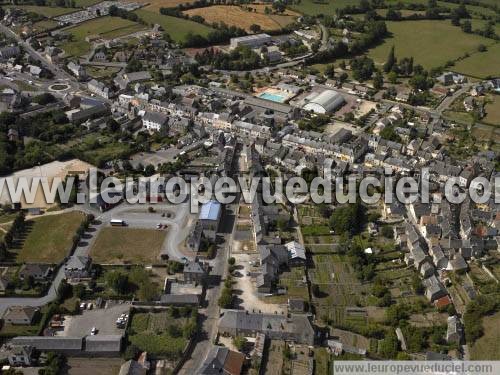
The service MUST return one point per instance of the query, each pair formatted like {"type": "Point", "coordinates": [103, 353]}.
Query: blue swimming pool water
{"type": "Point", "coordinates": [272, 97]}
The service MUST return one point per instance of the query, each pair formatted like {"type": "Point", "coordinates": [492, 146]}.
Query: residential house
{"type": "Point", "coordinates": [78, 268]}
{"type": "Point", "coordinates": [37, 271]}
{"type": "Point", "coordinates": [20, 355]}
{"type": "Point", "coordinates": [221, 360]}
{"type": "Point", "coordinates": [155, 121]}
{"type": "Point", "coordinates": [454, 331]}
{"type": "Point", "coordinates": [195, 272]}
{"type": "Point", "coordinates": [20, 315]}
{"type": "Point", "coordinates": [434, 289]}
{"type": "Point", "coordinates": [100, 89]}
{"type": "Point", "coordinates": [77, 70]}
{"type": "Point", "coordinates": [297, 328]}
{"type": "Point", "coordinates": [210, 215]}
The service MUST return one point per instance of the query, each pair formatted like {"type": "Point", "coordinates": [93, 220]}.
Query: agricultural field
{"type": "Point", "coordinates": [486, 347]}
{"type": "Point", "coordinates": [315, 7]}
{"type": "Point", "coordinates": [50, 237]}
{"type": "Point", "coordinates": [492, 110]}
{"type": "Point", "coordinates": [107, 27]}
{"type": "Point", "coordinates": [234, 15]}
{"type": "Point", "coordinates": [427, 49]}
{"type": "Point", "coordinates": [127, 246]}
{"type": "Point", "coordinates": [85, 3]}
{"type": "Point", "coordinates": [48, 12]}
{"type": "Point", "coordinates": [177, 28]}
{"type": "Point", "coordinates": [157, 4]}
{"type": "Point", "coordinates": [480, 64]}
{"type": "Point", "coordinates": [159, 334]}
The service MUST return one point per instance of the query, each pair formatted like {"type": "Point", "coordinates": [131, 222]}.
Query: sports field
{"type": "Point", "coordinates": [127, 246]}
{"type": "Point", "coordinates": [50, 238]}
{"type": "Point", "coordinates": [481, 65]}
{"type": "Point", "coordinates": [177, 28]}
{"type": "Point", "coordinates": [431, 43]}
{"type": "Point", "coordinates": [233, 15]}
{"type": "Point", "coordinates": [107, 27]}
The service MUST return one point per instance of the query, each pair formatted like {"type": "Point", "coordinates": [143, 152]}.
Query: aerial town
{"type": "Point", "coordinates": [341, 90]}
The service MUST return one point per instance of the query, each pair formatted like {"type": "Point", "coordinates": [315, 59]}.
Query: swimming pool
{"type": "Point", "coordinates": [272, 97]}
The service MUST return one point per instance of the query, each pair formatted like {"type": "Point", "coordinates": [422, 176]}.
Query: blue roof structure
{"type": "Point", "coordinates": [210, 211]}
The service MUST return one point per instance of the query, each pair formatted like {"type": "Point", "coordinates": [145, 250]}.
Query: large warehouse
{"type": "Point", "coordinates": [252, 41]}
{"type": "Point", "coordinates": [326, 101]}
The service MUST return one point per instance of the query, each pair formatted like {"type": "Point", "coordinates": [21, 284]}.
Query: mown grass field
{"type": "Point", "coordinates": [234, 15]}
{"type": "Point", "coordinates": [127, 245]}
{"type": "Point", "coordinates": [431, 43]}
{"type": "Point", "coordinates": [177, 28]}
{"type": "Point", "coordinates": [486, 347]}
{"type": "Point", "coordinates": [481, 65]}
{"type": "Point", "coordinates": [47, 11]}
{"type": "Point", "coordinates": [107, 27]}
{"type": "Point", "coordinates": [492, 110]}
{"type": "Point", "coordinates": [50, 238]}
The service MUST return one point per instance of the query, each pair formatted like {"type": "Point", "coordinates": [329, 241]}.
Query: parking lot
{"type": "Point", "coordinates": [104, 320]}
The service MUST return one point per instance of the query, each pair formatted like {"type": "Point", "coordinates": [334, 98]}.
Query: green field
{"type": "Point", "coordinates": [85, 3]}
{"type": "Point", "coordinates": [126, 245]}
{"type": "Point", "coordinates": [493, 111]}
{"type": "Point", "coordinates": [107, 27]}
{"type": "Point", "coordinates": [47, 11]}
{"type": "Point", "coordinates": [177, 28]}
{"type": "Point", "coordinates": [482, 64]}
{"type": "Point", "coordinates": [431, 43]}
{"type": "Point", "coordinates": [50, 238]}
{"type": "Point", "coordinates": [326, 7]}
{"type": "Point", "coordinates": [486, 347]}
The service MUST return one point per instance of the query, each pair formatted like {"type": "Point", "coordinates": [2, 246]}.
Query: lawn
{"type": "Point", "coordinates": [50, 238]}
{"type": "Point", "coordinates": [430, 43]}
{"type": "Point", "coordinates": [177, 28]}
{"type": "Point", "coordinates": [234, 15]}
{"type": "Point", "coordinates": [107, 27]}
{"type": "Point", "coordinates": [492, 109]}
{"type": "Point", "coordinates": [481, 65]}
{"type": "Point", "coordinates": [101, 72]}
{"type": "Point", "coordinates": [127, 245]}
{"type": "Point", "coordinates": [486, 347]}
{"type": "Point", "coordinates": [47, 11]}
{"type": "Point", "coordinates": [159, 334]}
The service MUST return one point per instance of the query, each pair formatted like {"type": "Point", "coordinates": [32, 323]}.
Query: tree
{"type": "Point", "coordinates": [348, 219]}
{"type": "Point", "coordinates": [118, 281]}
{"type": "Point", "coordinates": [389, 345]}
{"type": "Point", "coordinates": [467, 26]}
{"type": "Point", "coordinates": [79, 291]}
{"type": "Point", "coordinates": [112, 125]}
{"type": "Point", "coordinates": [239, 342]}
{"type": "Point", "coordinates": [44, 99]}
{"type": "Point", "coordinates": [254, 28]}
{"type": "Point", "coordinates": [330, 71]}
{"type": "Point", "coordinates": [391, 61]}
{"type": "Point", "coordinates": [378, 81]}
{"type": "Point", "coordinates": [231, 261]}
{"type": "Point", "coordinates": [393, 77]}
